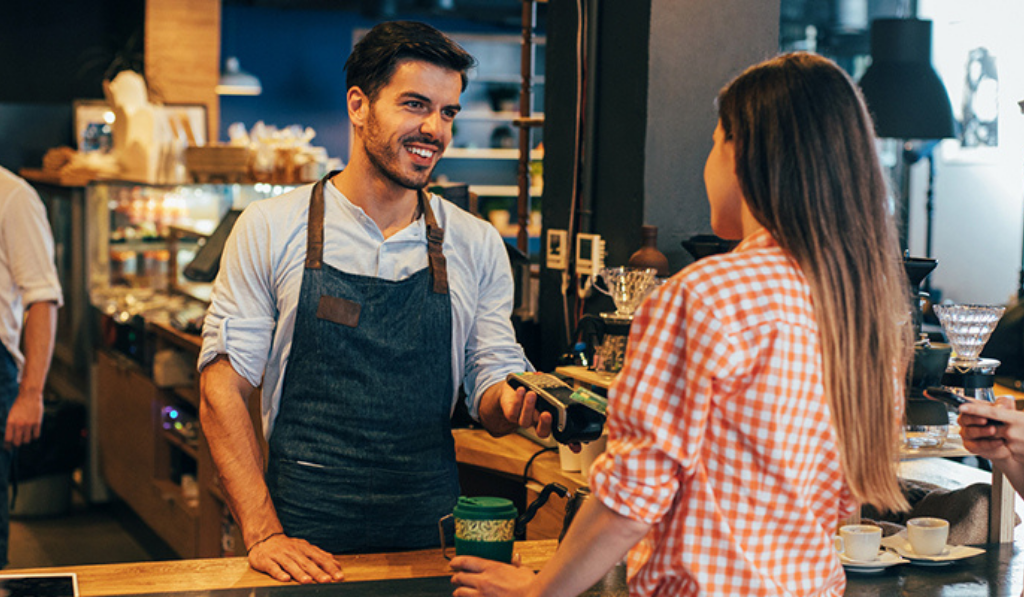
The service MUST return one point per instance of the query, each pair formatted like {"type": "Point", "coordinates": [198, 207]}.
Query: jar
{"type": "Point", "coordinates": [648, 256]}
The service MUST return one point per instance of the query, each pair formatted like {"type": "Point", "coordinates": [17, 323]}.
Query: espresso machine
{"type": "Point", "coordinates": [609, 332]}
{"type": "Point", "coordinates": [927, 423]}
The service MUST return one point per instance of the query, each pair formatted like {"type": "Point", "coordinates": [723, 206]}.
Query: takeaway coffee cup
{"type": "Point", "coordinates": [859, 541]}
{"type": "Point", "coordinates": [484, 527]}
{"type": "Point", "coordinates": [928, 535]}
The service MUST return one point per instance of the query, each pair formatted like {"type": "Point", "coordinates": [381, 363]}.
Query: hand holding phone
{"type": "Point", "coordinates": [952, 399]}
{"type": "Point", "coordinates": [945, 396]}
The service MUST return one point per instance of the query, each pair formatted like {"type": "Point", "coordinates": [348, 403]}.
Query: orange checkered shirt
{"type": "Point", "coordinates": [720, 434]}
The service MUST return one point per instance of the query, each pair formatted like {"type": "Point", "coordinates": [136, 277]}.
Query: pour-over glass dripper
{"type": "Point", "coordinates": [968, 328]}
{"type": "Point", "coordinates": [628, 287]}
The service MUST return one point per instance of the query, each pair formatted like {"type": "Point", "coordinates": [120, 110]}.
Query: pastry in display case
{"type": "Point", "coordinates": [145, 237]}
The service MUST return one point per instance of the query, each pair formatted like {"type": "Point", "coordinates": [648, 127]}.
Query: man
{"type": "Point", "coordinates": [30, 294]}
{"type": "Point", "coordinates": [363, 305]}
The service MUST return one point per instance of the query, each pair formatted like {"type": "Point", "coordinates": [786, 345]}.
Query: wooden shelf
{"type": "Point", "coordinates": [503, 116]}
{"type": "Point", "coordinates": [465, 153]}
{"type": "Point", "coordinates": [171, 492]}
{"type": "Point", "coordinates": [178, 442]}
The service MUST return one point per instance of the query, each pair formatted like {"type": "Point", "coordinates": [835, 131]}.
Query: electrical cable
{"type": "Point", "coordinates": [569, 272]}
{"type": "Point", "coordinates": [529, 463]}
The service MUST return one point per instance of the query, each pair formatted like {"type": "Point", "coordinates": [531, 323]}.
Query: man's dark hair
{"type": "Point", "coordinates": [374, 59]}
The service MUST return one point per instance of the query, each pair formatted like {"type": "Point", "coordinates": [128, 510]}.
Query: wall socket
{"type": "Point", "coordinates": [589, 254]}
{"type": "Point", "coordinates": [557, 249]}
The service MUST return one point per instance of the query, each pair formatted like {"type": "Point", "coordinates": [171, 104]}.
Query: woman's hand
{"type": "Point", "coordinates": [477, 577]}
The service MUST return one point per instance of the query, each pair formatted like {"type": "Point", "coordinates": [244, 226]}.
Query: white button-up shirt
{"type": "Point", "coordinates": [27, 270]}
{"type": "Point", "coordinates": [255, 297]}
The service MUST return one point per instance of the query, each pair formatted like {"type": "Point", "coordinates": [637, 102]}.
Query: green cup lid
{"type": "Point", "coordinates": [485, 508]}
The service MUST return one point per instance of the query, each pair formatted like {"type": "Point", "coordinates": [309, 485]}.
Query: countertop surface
{"type": "Point", "coordinates": [997, 572]}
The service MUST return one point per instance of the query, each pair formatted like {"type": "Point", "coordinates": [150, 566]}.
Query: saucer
{"type": "Point", "coordinates": [884, 560]}
{"type": "Point", "coordinates": [951, 554]}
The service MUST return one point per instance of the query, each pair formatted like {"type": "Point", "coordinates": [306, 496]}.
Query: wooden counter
{"type": "Point", "coordinates": [230, 573]}
{"type": "Point", "coordinates": [998, 571]}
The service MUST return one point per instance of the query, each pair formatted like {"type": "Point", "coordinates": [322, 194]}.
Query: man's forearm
{"type": "Point", "coordinates": [236, 453]}
{"type": "Point", "coordinates": [40, 331]}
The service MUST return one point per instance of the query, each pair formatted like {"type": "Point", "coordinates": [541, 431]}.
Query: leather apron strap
{"type": "Point", "coordinates": [435, 235]}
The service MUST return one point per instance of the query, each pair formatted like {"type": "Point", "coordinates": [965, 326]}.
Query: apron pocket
{"type": "Point", "coordinates": [339, 310]}
{"type": "Point", "coordinates": [344, 510]}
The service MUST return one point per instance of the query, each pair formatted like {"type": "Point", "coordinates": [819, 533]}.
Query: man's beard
{"type": "Point", "coordinates": [386, 160]}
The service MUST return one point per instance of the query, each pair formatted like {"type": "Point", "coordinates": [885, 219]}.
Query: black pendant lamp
{"type": "Point", "coordinates": [902, 90]}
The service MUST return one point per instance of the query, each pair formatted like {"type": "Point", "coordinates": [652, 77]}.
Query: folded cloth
{"type": "Point", "coordinates": [966, 509]}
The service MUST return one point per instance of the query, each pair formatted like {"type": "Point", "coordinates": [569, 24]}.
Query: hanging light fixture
{"type": "Point", "coordinates": [235, 81]}
{"type": "Point", "coordinates": [902, 90]}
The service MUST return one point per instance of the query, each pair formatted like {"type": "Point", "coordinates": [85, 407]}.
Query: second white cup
{"type": "Point", "coordinates": [859, 541]}
{"type": "Point", "coordinates": [928, 535]}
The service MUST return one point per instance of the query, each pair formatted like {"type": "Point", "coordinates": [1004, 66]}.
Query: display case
{"type": "Point", "coordinates": [152, 453]}
{"type": "Point", "coordinates": [121, 249]}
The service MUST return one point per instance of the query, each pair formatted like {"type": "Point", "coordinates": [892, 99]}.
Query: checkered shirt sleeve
{"type": "Point", "coordinates": [720, 435]}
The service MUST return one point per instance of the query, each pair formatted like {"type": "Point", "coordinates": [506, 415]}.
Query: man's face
{"type": "Point", "coordinates": [409, 124]}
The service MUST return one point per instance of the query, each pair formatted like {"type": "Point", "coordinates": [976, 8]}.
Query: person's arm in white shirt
{"type": "Point", "coordinates": [236, 341]}
{"type": "Point", "coordinates": [28, 248]}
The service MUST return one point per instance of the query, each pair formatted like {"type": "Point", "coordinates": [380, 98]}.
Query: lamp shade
{"type": "Point", "coordinates": [235, 81]}
{"type": "Point", "coordinates": [902, 90]}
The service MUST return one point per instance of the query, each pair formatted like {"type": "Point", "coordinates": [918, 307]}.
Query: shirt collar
{"type": "Point", "coordinates": [759, 239]}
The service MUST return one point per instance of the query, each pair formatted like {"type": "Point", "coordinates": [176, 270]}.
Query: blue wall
{"type": "Point", "coordinates": [299, 56]}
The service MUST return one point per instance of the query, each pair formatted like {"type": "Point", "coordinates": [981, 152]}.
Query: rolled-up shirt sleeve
{"type": "Point", "coordinates": [241, 318]}
{"type": "Point", "coordinates": [28, 245]}
{"type": "Point", "coordinates": [491, 348]}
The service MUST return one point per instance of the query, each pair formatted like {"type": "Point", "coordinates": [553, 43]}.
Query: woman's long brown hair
{"type": "Point", "coordinates": [808, 168]}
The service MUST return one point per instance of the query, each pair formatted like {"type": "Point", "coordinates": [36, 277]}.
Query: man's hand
{"type": "Point", "coordinates": [520, 409]}
{"type": "Point", "coordinates": [25, 420]}
{"type": "Point", "coordinates": [477, 577]}
{"type": "Point", "coordinates": [503, 409]}
{"type": "Point", "coordinates": [287, 558]}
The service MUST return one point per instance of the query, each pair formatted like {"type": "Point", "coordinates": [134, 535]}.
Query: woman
{"type": "Point", "coordinates": [758, 405]}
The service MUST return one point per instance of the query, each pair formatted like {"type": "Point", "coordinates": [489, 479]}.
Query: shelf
{"type": "Point", "coordinates": [499, 79]}
{"type": "Point", "coordinates": [464, 153]}
{"type": "Point", "coordinates": [500, 190]}
{"type": "Point", "coordinates": [505, 116]}
{"type": "Point", "coordinates": [171, 492]}
{"type": "Point", "coordinates": [188, 393]}
{"type": "Point", "coordinates": [181, 444]}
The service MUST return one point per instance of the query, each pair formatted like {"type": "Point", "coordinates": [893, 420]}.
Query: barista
{"type": "Point", "coordinates": [362, 304]}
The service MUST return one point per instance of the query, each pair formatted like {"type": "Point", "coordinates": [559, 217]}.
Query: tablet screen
{"type": "Point", "coordinates": [39, 585]}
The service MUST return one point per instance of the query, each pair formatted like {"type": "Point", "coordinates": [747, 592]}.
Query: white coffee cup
{"type": "Point", "coordinates": [859, 541]}
{"type": "Point", "coordinates": [927, 535]}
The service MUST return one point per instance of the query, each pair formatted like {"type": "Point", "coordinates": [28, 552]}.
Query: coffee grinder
{"type": "Point", "coordinates": [628, 287]}
{"type": "Point", "coordinates": [927, 423]}
{"type": "Point", "coordinates": [968, 328]}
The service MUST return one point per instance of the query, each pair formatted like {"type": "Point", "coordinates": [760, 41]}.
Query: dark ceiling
{"type": "Point", "coordinates": [499, 12]}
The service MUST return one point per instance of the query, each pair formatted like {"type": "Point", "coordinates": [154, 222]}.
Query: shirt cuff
{"type": "Point", "coordinates": [244, 341]}
{"type": "Point", "coordinates": [40, 295]}
{"type": "Point", "coordinates": [477, 384]}
{"type": "Point", "coordinates": [639, 486]}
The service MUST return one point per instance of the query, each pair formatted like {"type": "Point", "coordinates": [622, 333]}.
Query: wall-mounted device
{"type": "Point", "coordinates": [589, 254]}
{"type": "Point", "coordinates": [557, 249]}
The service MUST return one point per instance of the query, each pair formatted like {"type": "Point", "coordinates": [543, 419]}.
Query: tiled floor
{"type": "Point", "coordinates": [98, 534]}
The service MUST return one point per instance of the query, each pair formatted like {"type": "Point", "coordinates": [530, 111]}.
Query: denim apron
{"type": "Point", "coordinates": [8, 392]}
{"type": "Point", "coordinates": [362, 457]}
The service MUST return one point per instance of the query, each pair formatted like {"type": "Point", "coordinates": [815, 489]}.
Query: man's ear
{"type": "Point", "coordinates": [358, 106]}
